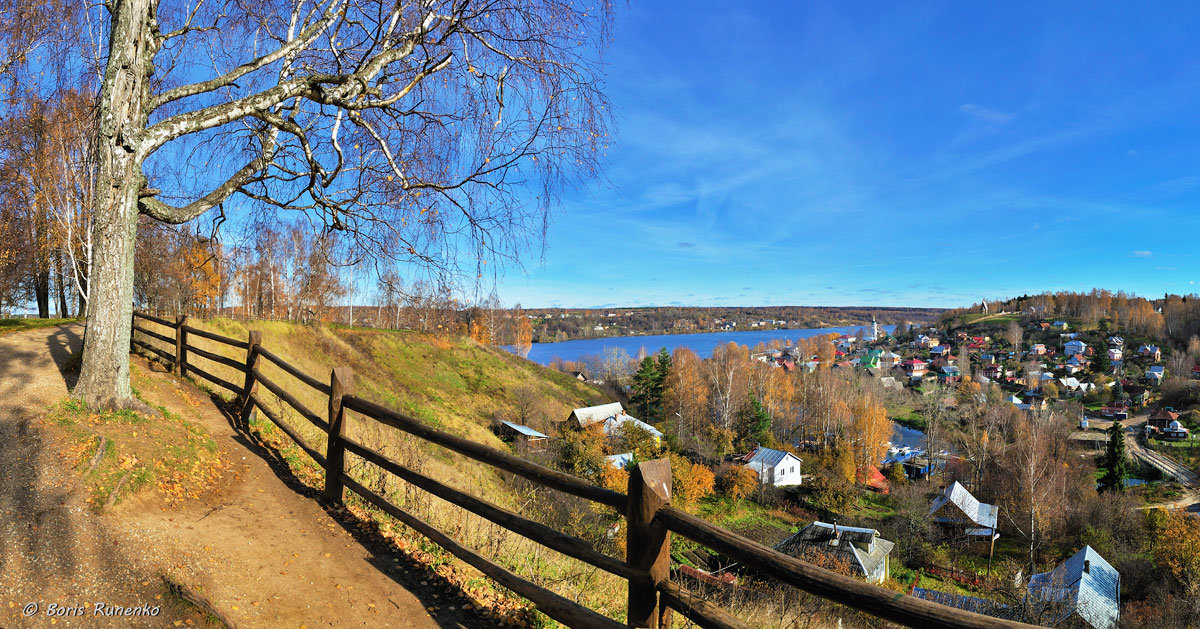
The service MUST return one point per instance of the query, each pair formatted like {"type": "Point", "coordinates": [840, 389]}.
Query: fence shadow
{"type": "Point", "coordinates": [430, 588]}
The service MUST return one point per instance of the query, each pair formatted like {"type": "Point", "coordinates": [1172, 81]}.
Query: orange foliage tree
{"type": "Point", "coordinates": [737, 481]}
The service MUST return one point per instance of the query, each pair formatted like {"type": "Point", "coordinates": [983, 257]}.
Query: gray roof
{"type": "Point", "coordinates": [857, 546]}
{"type": "Point", "coordinates": [589, 415]}
{"type": "Point", "coordinates": [612, 424]}
{"type": "Point", "coordinates": [979, 513]}
{"type": "Point", "coordinates": [1094, 593]}
{"type": "Point", "coordinates": [524, 430]}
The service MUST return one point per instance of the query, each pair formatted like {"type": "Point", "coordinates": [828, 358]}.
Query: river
{"type": "Point", "coordinates": [702, 343]}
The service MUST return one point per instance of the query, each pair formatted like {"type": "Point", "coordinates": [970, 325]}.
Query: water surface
{"type": "Point", "coordinates": [701, 343]}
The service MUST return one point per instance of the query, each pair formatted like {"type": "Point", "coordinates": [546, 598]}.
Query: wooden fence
{"type": "Point", "coordinates": [650, 518]}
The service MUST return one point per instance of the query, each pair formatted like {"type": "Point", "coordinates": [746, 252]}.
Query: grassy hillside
{"type": "Point", "coordinates": [452, 383]}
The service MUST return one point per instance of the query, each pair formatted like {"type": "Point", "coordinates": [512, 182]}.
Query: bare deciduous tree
{"type": "Point", "coordinates": [437, 131]}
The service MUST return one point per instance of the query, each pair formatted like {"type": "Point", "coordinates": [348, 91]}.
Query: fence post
{"type": "Point", "coordinates": [341, 383]}
{"type": "Point", "coordinates": [251, 384]}
{"type": "Point", "coordinates": [648, 543]}
{"type": "Point", "coordinates": [180, 346]}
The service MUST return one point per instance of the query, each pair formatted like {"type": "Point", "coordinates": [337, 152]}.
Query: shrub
{"type": "Point", "coordinates": [736, 481]}
{"type": "Point", "coordinates": [690, 481]}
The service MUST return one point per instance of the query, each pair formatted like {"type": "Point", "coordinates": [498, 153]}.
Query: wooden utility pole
{"type": "Point", "coordinates": [648, 543]}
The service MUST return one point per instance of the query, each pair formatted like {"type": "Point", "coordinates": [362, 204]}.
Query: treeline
{"type": "Point", "coordinates": [560, 324]}
{"type": "Point", "coordinates": [731, 402]}
{"type": "Point", "coordinates": [1173, 319]}
{"type": "Point", "coordinates": [47, 167]}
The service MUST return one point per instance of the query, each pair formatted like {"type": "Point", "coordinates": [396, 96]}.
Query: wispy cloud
{"type": "Point", "coordinates": [1142, 254]}
{"type": "Point", "coordinates": [687, 245]}
{"type": "Point", "coordinates": [986, 114]}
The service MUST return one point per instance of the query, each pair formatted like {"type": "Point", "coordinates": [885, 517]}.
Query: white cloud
{"type": "Point", "coordinates": [1143, 254]}
{"type": "Point", "coordinates": [985, 114]}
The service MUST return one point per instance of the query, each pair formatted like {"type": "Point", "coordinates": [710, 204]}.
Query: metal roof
{"type": "Point", "coordinates": [1091, 589]}
{"type": "Point", "coordinates": [762, 458]}
{"type": "Point", "coordinates": [968, 603]}
{"type": "Point", "coordinates": [615, 422]}
{"type": "Point", "coordinates": [589, 415]}
{"type": "Point", "coordinates": [524, 430]}
{"type": "Point", "coordinates": [980, 513]}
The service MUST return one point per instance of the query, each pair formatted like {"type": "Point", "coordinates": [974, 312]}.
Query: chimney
{"type": "Point", "coordinates": [1087, 566]}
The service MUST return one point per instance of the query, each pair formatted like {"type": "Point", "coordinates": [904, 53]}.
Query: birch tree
{"type": "Point", "coordinates": [434, 131]}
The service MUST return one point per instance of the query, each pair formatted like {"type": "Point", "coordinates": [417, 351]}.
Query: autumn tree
{"type": "Point", "coordinates": [410, 127]}
{"type": "Point", "coordinates": [691, 481]}
{"type": "Point", "coordinates": [736, 481]}
{"type": "Point", "coordinates": [1177, 547]}
{"type": "Point", "coordinates": [870, 430]}
{"type": "Point", "coordinates": [685, 396]}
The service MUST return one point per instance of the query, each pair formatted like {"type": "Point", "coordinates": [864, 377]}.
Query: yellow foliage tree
{"type": "Point", "coordinates": [690, 481]}
{"type": "Point", "coordinates": [869, 432]}
{"type": "Point", "coordinates": [524, 336]}
{"type": "Point", "coordinates": [737, 481]}
{"type": "Point", "coordinates": [1177, 547]}
{"type": "Point", "coordinates": [203, 279]}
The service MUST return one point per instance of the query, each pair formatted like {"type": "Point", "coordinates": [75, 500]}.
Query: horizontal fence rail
{"type": "Point", "coordinates": [650, 517]}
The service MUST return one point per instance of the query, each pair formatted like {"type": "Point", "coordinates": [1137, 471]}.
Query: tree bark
{"type": "Point", "coordinates": [64, 309]}
{"type": "Point", "coordinates": [41, 288]}
{"type": "Point", "coordinates": [104, 375]}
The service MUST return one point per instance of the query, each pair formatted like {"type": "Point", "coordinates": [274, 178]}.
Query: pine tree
{"type": "Point", "coordinates": [648, 385]}
{"type": "Point", "coordinates": [1116, 464]}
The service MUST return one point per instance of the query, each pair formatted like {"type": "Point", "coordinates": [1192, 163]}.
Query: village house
{"type": "Point", "coordinates": [1037, 349]}
{"type": "Point", "coordinates": [939, 350]}
{"type": "Point", "coordinates": [914, 368]}
{"type": "Point", "coordinates": [966, 514]}
{"type": "Point", "coordinates": [926, 342]}
{"type": "Point", "coordinates": [1162, 418]}
{"type": "Point", "coordinates": [614, 418]}
{"type": "Point", "coordinates": [1114, 354]}
{"type": "Point", "coordinates": [1196, 370]}
{"type": "Point", "coordinates": [889, 360]}
{"type": "Point", "coordinates": [949, 375]}
{"type": "Point", "coordinates": [1071, 348]}
{"type": "Point", "coordinates": [859, 548]}
{"type": "Point", "coordinates": [1150, 351]}
{"type": "Point", "coordinates": [1154, 375]}
{"type": "Point", "coordinates": [1060, 325]}
{"type": "Point", "coordinates": [1116, 341]}
{"type": "Point", "coordinates": [1084, 585]}
{"type": "Point", "coordinates": [774, 467]}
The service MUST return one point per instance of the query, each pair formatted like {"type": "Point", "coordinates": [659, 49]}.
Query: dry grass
{"type": "Point", "coordinates": [455, 385]}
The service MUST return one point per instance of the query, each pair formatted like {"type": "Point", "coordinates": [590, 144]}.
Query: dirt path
{"type": "Point", "coordinates": [53, 548]}
{"type": "Point", "coordinates": [265, 553]}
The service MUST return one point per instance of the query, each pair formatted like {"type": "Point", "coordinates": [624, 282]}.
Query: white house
{"type": "Point", "coordinates": [1114, 353]}
{"type": "Point", "coordinates": [774, 467]}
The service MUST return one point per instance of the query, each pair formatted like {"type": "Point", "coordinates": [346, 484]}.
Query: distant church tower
{"type": "Point", "coordinates": [874, 328]}
{"type": "Point", "coordinates": [985, 307]}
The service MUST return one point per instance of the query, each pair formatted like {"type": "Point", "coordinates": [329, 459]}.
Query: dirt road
{"type": "Point", "coordinates": [265, 553]}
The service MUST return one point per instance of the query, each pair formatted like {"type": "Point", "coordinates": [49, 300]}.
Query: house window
{"type": "Point", "coordinates": [793, 468]}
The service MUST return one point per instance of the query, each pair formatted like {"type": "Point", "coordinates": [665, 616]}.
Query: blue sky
{"type": "Point", "coordinates": [920, 154]}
